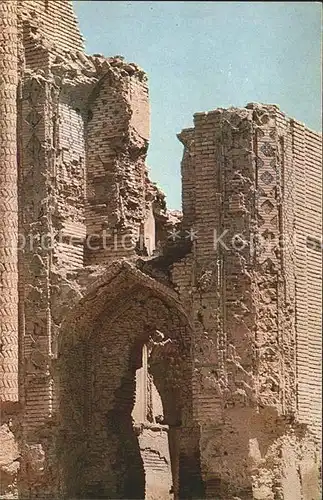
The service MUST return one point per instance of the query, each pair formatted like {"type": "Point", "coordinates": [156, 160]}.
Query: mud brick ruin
{"type": "Point", "coordinates": [146, 353]}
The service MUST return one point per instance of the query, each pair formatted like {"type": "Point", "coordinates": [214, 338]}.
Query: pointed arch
{"type": "Point", "coordinates": [98, 352]}
{"type": "Point", "coordinates": [117, 284]}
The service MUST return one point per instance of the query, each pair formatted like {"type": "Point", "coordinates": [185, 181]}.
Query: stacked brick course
{"type": "Point", "coordinates": [226, 402]}
{"type": "Point", "coordinates": [8, 204]}
{"type": "Point", "coordinates": [307, 148]}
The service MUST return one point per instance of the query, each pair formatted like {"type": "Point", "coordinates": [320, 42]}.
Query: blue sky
{"type": "Point", "coordinates": [204, 55]}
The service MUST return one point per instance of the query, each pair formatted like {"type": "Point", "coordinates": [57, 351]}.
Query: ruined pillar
{"type": "Point", "coordinates": [117, 134]}
{"type": "Point", "coordinates": [8, 204]}
{"type": "Point", "coordinates": [243, 203]}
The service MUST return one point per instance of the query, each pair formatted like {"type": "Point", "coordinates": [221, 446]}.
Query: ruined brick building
{"type": "Point", "coordinates": [147, 354]}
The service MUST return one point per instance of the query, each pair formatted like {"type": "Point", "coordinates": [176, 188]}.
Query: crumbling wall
{"type": "Point", "coordinates": [154, 448]}
{"type": "Point", "coordinates": [188, 166]}
{"type": "Point", "coordinates": [240, 286]}
{"type": "Point", "coordinates": [51, 200]}
{"type": "Point", "coordinates": [241, 388]}
{"type": "Point", "coordinates": [108, 336]}
{"type": "Point", "coordinates": [47, 28]}
{"type": "Point", "coordinates": [8, 205]}
{"type": "Point", "coordinates": [117, 141]}
{"type": "Point", "coordinates": [148, 418]}
{"type": "Point", "coordinates": [59, 87]}
{"type": "Point", "coordinates": [9, 395]}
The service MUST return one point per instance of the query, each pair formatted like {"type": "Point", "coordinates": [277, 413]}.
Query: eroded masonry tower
{"type": "Point", "coordinates": [146, 353]}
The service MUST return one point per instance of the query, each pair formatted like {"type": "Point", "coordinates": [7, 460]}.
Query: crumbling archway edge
{"type": "Point", "coordinates": [115, 283]}
{"type": "Point", "coordinates": [108, 298]}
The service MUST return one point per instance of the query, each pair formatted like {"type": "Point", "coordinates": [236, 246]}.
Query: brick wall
{"type": "Point", "coordinates": [53, 23]}
{"type": "Point", "coordinates": [68, 203]}
{"type": "Point", "coordinates": [35, 254]}
{"type": "Point", "coordinates": [244, 318]}
{"type": "Point", "coordinates": [8, 204]}
{"type": "Point", "coordinates": [117, 141]}
{"type": "Point", "coordinates": [246, 184]}
{"type": "Point", "coordinates": [121, 322]}
{"type": "Point", "coordinates": [253, 176]}
{"type": "Point", "coordinates": [307, 147]}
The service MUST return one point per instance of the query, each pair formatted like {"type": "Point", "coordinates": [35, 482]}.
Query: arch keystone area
{"type": "Point", "coordinates": [119, 280]}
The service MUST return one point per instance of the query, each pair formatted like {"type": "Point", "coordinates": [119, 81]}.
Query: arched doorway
{"type": "Point", "coordinates": [100, 353]}
{"type": "Point", "coordinates": [149, 417]}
